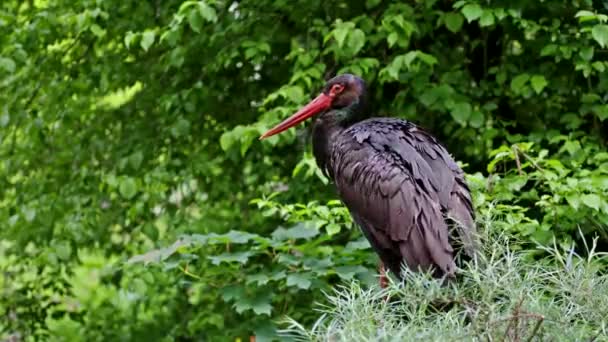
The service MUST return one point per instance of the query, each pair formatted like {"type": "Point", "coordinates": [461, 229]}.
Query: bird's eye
{"type": "Point", "coordinates": [336, 89]}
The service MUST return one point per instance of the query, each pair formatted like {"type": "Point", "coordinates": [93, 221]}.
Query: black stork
{"type": "Point", "coordinates": [399, 183]}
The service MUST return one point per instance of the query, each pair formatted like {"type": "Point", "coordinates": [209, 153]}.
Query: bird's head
{"type": "Point", "coordinates": [345, 93]}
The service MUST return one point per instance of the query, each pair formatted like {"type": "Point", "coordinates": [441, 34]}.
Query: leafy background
{"type": "Point", "coordinates": [138, 204]}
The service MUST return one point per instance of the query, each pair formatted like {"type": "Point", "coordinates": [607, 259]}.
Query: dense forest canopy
{"type": "Point", "coordinates": [137, 202]}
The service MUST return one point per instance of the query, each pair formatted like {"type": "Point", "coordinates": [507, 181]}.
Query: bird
{"type": "Point", "coordinates": [400, 184]}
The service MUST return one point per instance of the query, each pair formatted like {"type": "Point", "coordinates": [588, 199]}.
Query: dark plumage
{"type": "Point", "coordinates": [399, 183]}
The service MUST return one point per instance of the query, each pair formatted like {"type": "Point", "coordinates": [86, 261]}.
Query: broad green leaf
{"type": "Point", "coordinates": [147, 39]}
{"type": "Point", "coordinates": [584, 13]}
{"type": "Point", "coordinates": [601, 111]}
{"type": "Point", "coordinates": [356, 40]}
{"type": "Point", "coordinates": [392, 38]}
{"type": "Point", "coordinates": [232, 293]}
{"type": "Point", "coordinates": [453, 21]}
{"type": "Point", "coordinates": [341, 31]}
{"type": "Point", "coordinates": [97, 30]}
{"type": "Point", "coordinates": [129, 37]}
{"type": "Point", "coordinates": [300, 280]}
{"type": "Point", "coordinates": [549, 50]}
{"type": "Point", "coordinates": [226, 140]}
{"type": "Point", "coordinates": [572, 146]}
{"type": "Point", "coordinates": [7, 64]}
{"type": "Point", "coordinates": [518, 82]}
{"type": "Point", "coordinates": [237, 257]}
{"type": "Point", "coordinates": [261, 306]}
{"type": "Point", "coordinates": [600, 34]}
{"type": "Point", "coordinates": [234, 236]}
{"type": "Point", "coordinates": [128, 187]}
{"type": "Point", "coordinates": [349, 272]}
{"type": "Point", "coordinates": [584, 16]}
{"type": "Point", "coordinates": [333, 229]}
{"type": "Point", "coordinates": [487, 18]}
{"type": "Point", "coordinates": [538, 83]}
{"type": "Point", "coordinates": [461, 112]}
{"type": "Point", "coordinates": [574, 201]}
{"type": "Point", "coordinates": [207, 12]}
{"type": "Point", "coordinates": [299, 231]}
{"type": "Point", "coordinates": [195, 20]}
{"type": "Point", "coordinates": [259, 279]}
{"type": "Point", "coordinates": [472, 12]}
{"type": "Point", "coordinates": [362, 243]}
{"type": "Point", "coordinates": [593, 201]}
{"type": "Point", "coordinates": [477, 119]}
{"type": "Point", "coordinates": [426, 58]}
{"type": "Point", "coordinates": [586, 53]}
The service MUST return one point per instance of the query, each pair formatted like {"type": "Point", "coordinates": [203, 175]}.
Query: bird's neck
{"type": "Point", "coordinates": [326, 128]}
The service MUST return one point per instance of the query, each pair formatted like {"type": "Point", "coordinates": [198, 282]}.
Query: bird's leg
{"type": "Point", "coordinates": [383, 279]}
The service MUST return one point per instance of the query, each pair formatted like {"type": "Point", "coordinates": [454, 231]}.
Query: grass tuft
{"type": "Point", "coordinates": [507, 296]}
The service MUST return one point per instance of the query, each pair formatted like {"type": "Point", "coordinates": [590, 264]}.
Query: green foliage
{"type": "Point", "coordinates": [134, 190]}
{"type": "Point", "coordinates": [508, 299]}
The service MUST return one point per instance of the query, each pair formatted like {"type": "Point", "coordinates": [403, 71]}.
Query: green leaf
{"type": "Point", "coordinates": [349, 272]}
{"type": "Point", "coordinates": [226, 141]}
{"type": "Point", "coordinates": [600, 34]}
{"type": "Point", "coordinates": [128, 187]}
{"type": "Point", "coordinates": [593, 201]}
{"type": "Point", "coordinates": [584, 13]}
{"type": "Point", "coordinates": [207, 12]}
{"type": "Point", "coordinates": [238, 257]}
{"type": "Point", "coordinates": [261, 306]}
{"type": "Point", "coordinates": [461, 112]}
{"type": "Point", "coordinates": [332, 229]}
{"type": "Point", "coordinates": [340, 33]}
{"type": "Point", "coordinates": [129, 38]}
{"type": "Point", "coordinates": [426, 58]}
{"type": "Point", "coordinates": [453, 21]}
{"type": "Point", "coordinates": [574, 201]}
{"type": "Point", "coordinates": [392, 39]}
{"type": "Point", "coordinates": [584, 16]}
{"type": "Point", "coordinates": [97, 30]}
{"type": "Point", "coordinates": [472, 12]}
{"type": "Point", "coordinates": [586, 53]}
{"type": "Point", "coordinates": [487, 18]}
{"type": "Point", "coordinates": [147, 39]}
{"type": "Point", "coordinates": [303, 230]}
{"type": "Point", "coordinates": [258, 278]}
{"type": "Point", "coordinates": [232, 292]}
{"type": "Point", "coordinates": [7, 64]}
{"type": "Point", "coordinates": [538, 83]}
{"type": "Point", "coordinates": [477, 119]}
{"type": "Point", "coordinates": [356, 41]}
{"type": "Point", "coordinates": [518, 83]}
{"type": "Point", "coordinates": [548, 50]}
{"type": "Point", "coordinates": [195, 20]}
{"type": "Point", "coordinates": [300, 280]}
{"type": "Point", "coordinates": [601, 111]}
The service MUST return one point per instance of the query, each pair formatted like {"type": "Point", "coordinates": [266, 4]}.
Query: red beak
{"type": "Point", "coordinates": [316, 106]}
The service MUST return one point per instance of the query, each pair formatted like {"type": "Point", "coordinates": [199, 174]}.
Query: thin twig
{"type": "Point", "coordinates": [516, 155]}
